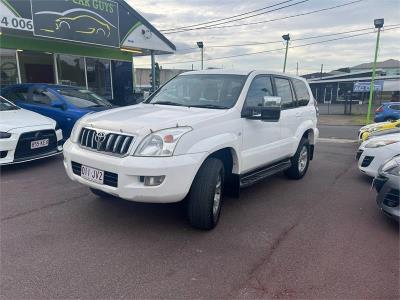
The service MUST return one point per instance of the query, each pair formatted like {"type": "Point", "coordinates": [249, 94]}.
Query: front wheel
{"type": "Point", "coordinates": [205, 196]}
{"type": "Point", "coordinates": [300, 161]}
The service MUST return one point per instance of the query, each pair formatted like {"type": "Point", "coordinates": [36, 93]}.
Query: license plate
{"type": "Point", "coordinates": [39, 144]}
{"type": "Point", "coordinates": [92, 174]}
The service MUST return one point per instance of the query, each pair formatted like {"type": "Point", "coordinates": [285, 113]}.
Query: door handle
{"type": "Point", "coordinates": [298, 115]}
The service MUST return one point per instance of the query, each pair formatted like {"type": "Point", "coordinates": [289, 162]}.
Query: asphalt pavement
{"type": "Point", "coordinates": [320, 237]}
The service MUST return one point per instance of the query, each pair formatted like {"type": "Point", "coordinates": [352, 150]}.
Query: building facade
{"type": "Point", "coordinates": [86, 43]}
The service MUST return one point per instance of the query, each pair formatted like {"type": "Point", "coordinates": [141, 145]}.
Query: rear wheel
{"type": "Point", "coordinates": [300, 161]}
{"type": "Point", "coordinates": [205, 196]}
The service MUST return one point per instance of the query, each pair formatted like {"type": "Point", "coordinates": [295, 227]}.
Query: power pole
{"type": "Point", "coordinates": [201, 46]}
{"type": "Point", "coordinates": [297, 69]}
{"type": "Point", "coordinates": [286, 38]}
{"type": "Point", "coordinates": [378, 24]}
{"type": "Point", "coordinates": [322, 67]}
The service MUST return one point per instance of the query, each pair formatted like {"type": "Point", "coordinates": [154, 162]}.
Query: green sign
{"type": "Point", "coordinates": [88, 21]}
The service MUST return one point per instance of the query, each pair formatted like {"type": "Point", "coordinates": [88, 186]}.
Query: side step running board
{"type": "Point", "coordinates": [259, 174]}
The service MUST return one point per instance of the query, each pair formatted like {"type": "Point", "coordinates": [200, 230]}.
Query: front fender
{"type": "Point", "coordinates": [212, 144]}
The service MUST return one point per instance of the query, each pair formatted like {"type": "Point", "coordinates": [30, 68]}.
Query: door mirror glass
{"type": "Point", "coordinates": [271, 101]}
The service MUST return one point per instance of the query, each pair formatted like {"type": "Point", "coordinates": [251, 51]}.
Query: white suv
{"type": "Point", "coordinates": [200, 136]}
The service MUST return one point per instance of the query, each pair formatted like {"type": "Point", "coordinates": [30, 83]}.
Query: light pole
{"type": "Point", "coordinates": [286, 38]}
{"type": "Point", "coordinates": [201, 46]}
{"type": "Point", "coordinates": [378, 24]}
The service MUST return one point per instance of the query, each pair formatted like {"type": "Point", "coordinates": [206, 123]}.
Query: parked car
{"type": "Point", "coordinates": [25, 135]}
{"type": "Point", "coordinates": [377, 129]}
{"type": "Point", "coordinates": [199, 136]}
{"type": "Point", "coordinates": [64, 104]}
{"type": "Point", "coordinates": [387, 186]}
{"type": "Point", "coordinates": [388, 112]}
{"type": "Point", "coordinates": [374, 152]}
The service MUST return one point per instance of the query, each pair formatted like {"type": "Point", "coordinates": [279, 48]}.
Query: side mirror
{"type": "Point", "coordinates": [59, 105]}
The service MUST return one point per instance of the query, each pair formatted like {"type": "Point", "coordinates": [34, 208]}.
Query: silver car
{"type": "Point", "coordinates": [387, 184]}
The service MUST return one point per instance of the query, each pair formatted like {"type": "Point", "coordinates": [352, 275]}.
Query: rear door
{"type": "Point", "coordinates": [261, 140]}
{"type": "Point", "coordinates": [290, 116]}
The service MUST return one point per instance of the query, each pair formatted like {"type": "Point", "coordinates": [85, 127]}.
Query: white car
{"type": "Point", "coordinates": [25, 135]}
{"type": "Point", "coordinates": [377, 150]}
{"type": "Point", "coordinates": [202, 134]}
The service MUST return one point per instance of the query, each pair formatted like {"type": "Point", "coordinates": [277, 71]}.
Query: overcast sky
{"type": "Point", "coordinates": [166, 14]}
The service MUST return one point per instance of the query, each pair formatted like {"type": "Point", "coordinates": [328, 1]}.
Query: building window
{"type": "Point", "coordinates": [99, 76]}
{"type": "Point", "coordinates": [36, 67]}
{"type": "Point", "coordinates": [71, 70]}
{"type": "Point", "coordinates": [8, 67]}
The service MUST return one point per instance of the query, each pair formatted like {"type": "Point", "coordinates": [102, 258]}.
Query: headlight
{"type": "Point", "coordinates": [75, 132]}
{"type": "Point", "coordinates": [161, 143]}
{"type": "Point", "coordinates": [4, 135]}
{"type": "Point", "coordinates": [377, 144]}
{"type": "Point", "coordinates": [391, 167]}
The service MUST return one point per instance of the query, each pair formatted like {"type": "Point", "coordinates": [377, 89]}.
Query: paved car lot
{"type": "Point", "coordinates": [321, 237]}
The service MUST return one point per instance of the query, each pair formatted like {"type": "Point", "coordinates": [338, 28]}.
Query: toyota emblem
{"type": "Point", "coordinates": [100, 137]}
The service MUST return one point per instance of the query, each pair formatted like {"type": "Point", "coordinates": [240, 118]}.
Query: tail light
{"type": "Point", "coordinates": [379, 109]}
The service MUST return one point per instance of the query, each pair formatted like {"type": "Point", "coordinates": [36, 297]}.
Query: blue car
{"type": "Point", "coordinates": [388, 112]}
{"type": "Point", "coordinates": [64, 104]}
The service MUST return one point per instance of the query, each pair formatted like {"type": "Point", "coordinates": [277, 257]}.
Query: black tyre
{"type": "Point", "coordinates": [100, 194]}
{"type": "Point", "coordinates": [300, 161]}
{"type": "Point", "coordinates": [205, 197]}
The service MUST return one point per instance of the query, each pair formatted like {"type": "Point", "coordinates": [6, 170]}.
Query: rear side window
{"type": "Point", "coordinates": [17, 94]}
{"type": "Point", "coordinates": [395, 107]}
{"type": "Point", "coordinates": [284, 90]}
{"type": "Point", "coordinates": [303, 97]}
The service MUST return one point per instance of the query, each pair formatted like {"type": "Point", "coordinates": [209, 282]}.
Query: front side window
{"type": "Point", "coordinates": [284, 90]}
{"type": "Point", "coordinates": [207, 91]}
{"type": "Point", "coordinates": [303, 97]}
{"type": "Point", "coordinates": [260, 87]}
{"type": "Point", "coordinates": [43, 97]}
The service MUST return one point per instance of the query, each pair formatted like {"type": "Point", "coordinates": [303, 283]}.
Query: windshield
{"type": "Point", "coordinates": [208, 91]}
{"type": "Point", "coordinates": [7, 105]}
{"type": "Point", "coordinates": [82, 98]}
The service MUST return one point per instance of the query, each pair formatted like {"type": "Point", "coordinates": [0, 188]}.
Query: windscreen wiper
{"type": "Point", "coordinates": [210, 106]}
{"type": "Point", "coordinates": [168, 103]}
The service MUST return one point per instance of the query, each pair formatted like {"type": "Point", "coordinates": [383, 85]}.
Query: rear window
{"type": "Point", "coordinates": [302, 94]}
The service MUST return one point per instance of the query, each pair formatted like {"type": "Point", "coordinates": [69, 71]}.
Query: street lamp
{"type": "Point", "coordinates": [378, 25]}
{"type": "Point", "coordinates": [286, 37]}
{"type": "Point", "coordinates": [201, 46]}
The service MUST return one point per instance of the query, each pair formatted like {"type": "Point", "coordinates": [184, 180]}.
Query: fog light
{"type": "Point", "coordinates": [152, 180]}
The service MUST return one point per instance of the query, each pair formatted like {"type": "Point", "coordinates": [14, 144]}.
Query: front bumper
{"type": "Point", "coordinates": [388, 197]}
{"type": "Point", "coordinates": [372, 158]}
{"type": "Point", "coordinates": [179, 172]}
{"type": "Point", "coordinates": [8, 147]}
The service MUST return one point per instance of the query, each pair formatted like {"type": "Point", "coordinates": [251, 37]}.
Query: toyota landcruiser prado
{"type": "Point", "coordinates": [200, 136]}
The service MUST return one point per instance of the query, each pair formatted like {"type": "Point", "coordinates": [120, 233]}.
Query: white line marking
{"type": "Point", "coordinates": [337, 141]}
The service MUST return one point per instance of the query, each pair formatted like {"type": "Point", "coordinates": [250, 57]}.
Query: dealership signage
{"type": "Point", "coordinates": [110, 23]}
{"type": "Point", "coordinates": [365, 86]}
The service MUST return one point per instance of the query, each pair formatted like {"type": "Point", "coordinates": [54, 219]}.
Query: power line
{"type": "Point", "coordinates": [278, 49]}
{"type": "Point", "coordinates": [267, 21]}
{"type": "Point", "coordinates": [280, 41]}
{"type": "Point", "coordinates": [243, 18]}
{"type": "Point", "coordinates": [228, 18]}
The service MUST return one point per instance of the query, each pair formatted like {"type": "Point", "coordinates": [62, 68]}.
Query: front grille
{"type": "Point", "coordinates": [358, 155]}
{"type": "Point", "coordinates": [24, 151]}
{"type": "Point", "coordinates": [106, 142]}
{"type": "Point", "coordinates": [367, 161]}
{"type": "Point", "coordinates": [392, 198]}
{"type": "Point", "coordinates": [110, 179]}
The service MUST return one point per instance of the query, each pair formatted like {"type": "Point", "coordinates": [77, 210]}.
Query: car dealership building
{"type": "Point", "coordinates": [85, 43]}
